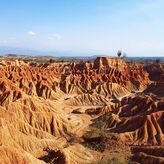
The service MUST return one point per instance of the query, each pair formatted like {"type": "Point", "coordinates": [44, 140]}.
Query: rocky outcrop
{"type": "Point", "coordinates": [147, 155]}
{"type": "Point", "coordinates": [109, 62]}
{"type": "Point", "coordinates": [155, 88]}
{"type": "Point", "coordinates": [156, 71]}
{"type": "Point", "coordinates": [40, 107]}
{"type": "Point", "coordinates": [138, 120]}
{"type": "Point", "coordinates": [102, 74]}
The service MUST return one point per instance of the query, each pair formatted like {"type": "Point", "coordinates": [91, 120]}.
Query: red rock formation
{"type": "Point", "coordinates": [74, 78]}
{"type": "Point", "coordinates": [104, 71]}
{"type": "Point", "coordinates": [138, 120]}
{"type": "Point", "coordinates": [35, 106]}
{"type": "Point", "coordinates": [108, 62]}
{"type": "Point", "coordinates": [148, 155]}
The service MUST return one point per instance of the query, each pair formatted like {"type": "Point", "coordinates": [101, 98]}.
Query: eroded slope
{"type": "Point", "coordinates": [49, 106]}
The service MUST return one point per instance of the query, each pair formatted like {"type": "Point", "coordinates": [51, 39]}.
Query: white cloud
{"type": "Point", "coordinates": [55, 36]}
{"type": "Point", "coordinates": [31, 33]}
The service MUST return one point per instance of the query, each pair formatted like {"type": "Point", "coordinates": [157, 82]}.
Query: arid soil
{"type": "Point", "coordinates": [106, 111]}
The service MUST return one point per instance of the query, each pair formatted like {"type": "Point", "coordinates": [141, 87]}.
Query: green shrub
{"type": "Point", "coordinates": [98, 135]}
{"type": "Point", "coordinates": [116, 158]}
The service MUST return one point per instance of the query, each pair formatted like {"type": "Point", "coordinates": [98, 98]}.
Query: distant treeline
{"type": "Point", "coordinates": [145, 59]}
{"type": "Point", "coordinates": [53, 59]}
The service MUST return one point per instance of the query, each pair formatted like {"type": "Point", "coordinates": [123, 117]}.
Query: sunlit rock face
{"type": "Point", "coordinates": [108, 62]}
{"type": "Point", "coordinates": [101, 74]}
{"type": "Point", "coordinates": [37, 100]}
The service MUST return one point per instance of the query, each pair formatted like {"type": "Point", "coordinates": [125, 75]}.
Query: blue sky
{"type": "Point", "coordinates": [101, 26]}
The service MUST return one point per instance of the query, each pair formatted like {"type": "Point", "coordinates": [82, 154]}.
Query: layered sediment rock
{"type": "Point", "coordinates": [100, 76]}
{"type": "Point", "coordinates": [36, 102]}
{"type": "Point", "coordinates": [137, 120]}
{"type": "Point", "coordinates": [148, 155]}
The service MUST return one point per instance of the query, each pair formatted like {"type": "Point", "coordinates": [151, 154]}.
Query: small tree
{"type": "Point", "coordinates": [119, 53]}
